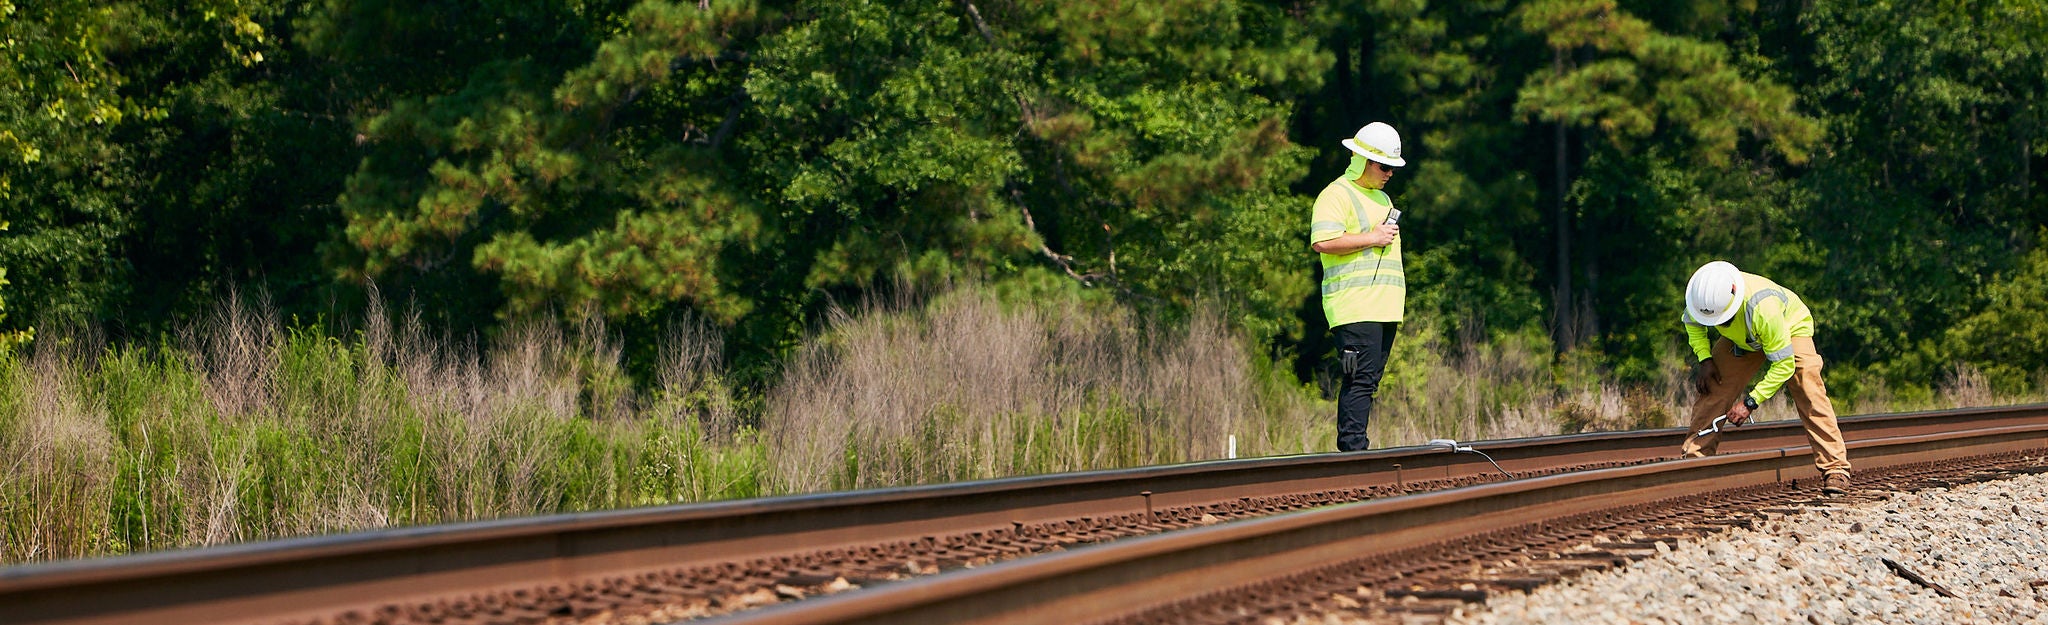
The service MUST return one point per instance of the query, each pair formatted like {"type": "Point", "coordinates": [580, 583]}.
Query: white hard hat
{"type": "Point", "coordinates": [1713, 293]}
{"type": "Point", "coordinates": [1378, 141]}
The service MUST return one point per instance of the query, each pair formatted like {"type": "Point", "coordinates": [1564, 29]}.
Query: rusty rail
{"type": "Point", "coordinates": [1110, 581]}
{"type": "Point", "coordinates": [311, 577]}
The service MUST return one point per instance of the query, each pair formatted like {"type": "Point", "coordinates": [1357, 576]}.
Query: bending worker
{"type": "Point", "coordinates": [1364, 289]}
{"type": "Point", "coordinates": [1761, 326]}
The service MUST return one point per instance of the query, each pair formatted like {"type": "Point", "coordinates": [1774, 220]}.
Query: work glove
{"type": "Point", "coordinates": [1705, 374]}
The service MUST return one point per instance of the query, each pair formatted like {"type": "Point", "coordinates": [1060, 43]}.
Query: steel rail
{"type": "Point", "coordinates": [295, 578]}
{"type": "Point", "coordinates": [1104, 582]}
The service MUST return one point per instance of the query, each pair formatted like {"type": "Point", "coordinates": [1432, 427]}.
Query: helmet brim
{"type": "Point", "coordinates": [1352, 144]}
{"type": "Point", "coordinates": [1717, 319]}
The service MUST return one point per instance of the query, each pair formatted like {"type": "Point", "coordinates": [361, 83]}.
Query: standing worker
{"type": "Point", "coordinates": [1759, 322]}
{"type": "Point", "coordinates": [1364, 289]}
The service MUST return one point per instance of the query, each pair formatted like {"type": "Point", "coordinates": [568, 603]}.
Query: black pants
{"type": "Point", "coordinates": [1362, 349]}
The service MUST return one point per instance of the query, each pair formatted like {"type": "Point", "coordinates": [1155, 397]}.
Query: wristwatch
{"type": "Point", "coordinates": [1749, 402]}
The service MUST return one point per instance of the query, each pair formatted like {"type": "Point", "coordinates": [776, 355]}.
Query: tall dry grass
{"type": "Point", "coordinates": [57, 452]}
{"type": "Point", "coordinates": [970, 387]}
{"type": "Point", "coordinates": [1509, 386]}
{"type": "Point", "coordinates": [244, 429]}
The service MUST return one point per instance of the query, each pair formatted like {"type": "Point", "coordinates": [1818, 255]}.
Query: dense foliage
{"type": "Point", "coordinates": [752, 163]}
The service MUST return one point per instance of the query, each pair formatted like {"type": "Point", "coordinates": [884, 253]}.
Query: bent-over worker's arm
{"type": "Point", "coordinates": [1697, 336]}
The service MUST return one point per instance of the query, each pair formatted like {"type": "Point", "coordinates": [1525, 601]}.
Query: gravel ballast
{"type": "Point", "coordinates": [1986, 542]}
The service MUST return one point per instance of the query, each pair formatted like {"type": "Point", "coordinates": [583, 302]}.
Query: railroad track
{"type": "Point", "coordinates": [746, 560]}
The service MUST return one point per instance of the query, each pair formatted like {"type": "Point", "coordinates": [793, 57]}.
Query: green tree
{"type": "Point", "coordinates": [1135, 147]}
{"type": "Point", "coordinates": [240, 157]}
{"type": "Point", "coordinates": [10, 339]}
{"type": "Point", "coordinates": [564, 162]}
{"type": "Point", "coordinates": [139, 169]}
{"type": "Point", "coordinates": [60, 174]}
{"type": "Point", "coordinates": [1935, 138]}
{"type": "Point", "coordinates": [2007, 339]}
{"type": "Point", "coordinates": [1671, 126]}
{"type": "Point", "coordinates": [756, 164]}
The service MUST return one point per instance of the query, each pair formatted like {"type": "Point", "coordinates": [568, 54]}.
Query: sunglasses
{"type": "Point", "coordinates": [1381, 166]}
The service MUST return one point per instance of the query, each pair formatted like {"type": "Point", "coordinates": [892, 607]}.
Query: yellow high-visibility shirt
{"type": "Point", "coordinates": [1770, 316]}
{"type": "Point", "coordinates": [1366, 285]}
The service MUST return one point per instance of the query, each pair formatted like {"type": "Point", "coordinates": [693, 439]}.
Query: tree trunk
{"type": "Point", "coordinates": [1347, 98]}
{"type": "Point", "coordinates": [2026, 171]}
{"type": "Point", "coordinates": [1367, 101]}
{"type": "Point", "coordinates": [1565, 324]}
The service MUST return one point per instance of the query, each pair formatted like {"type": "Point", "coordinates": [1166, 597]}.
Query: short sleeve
{"type": "Point", "coordinates": [1330, 219]}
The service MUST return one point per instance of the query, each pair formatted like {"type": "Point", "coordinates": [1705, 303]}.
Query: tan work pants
{"type": "Point", "coordinates": [1808, 394]}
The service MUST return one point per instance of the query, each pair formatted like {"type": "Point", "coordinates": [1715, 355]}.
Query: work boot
{"type": "Point", "coordinates": [1836, 484]}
